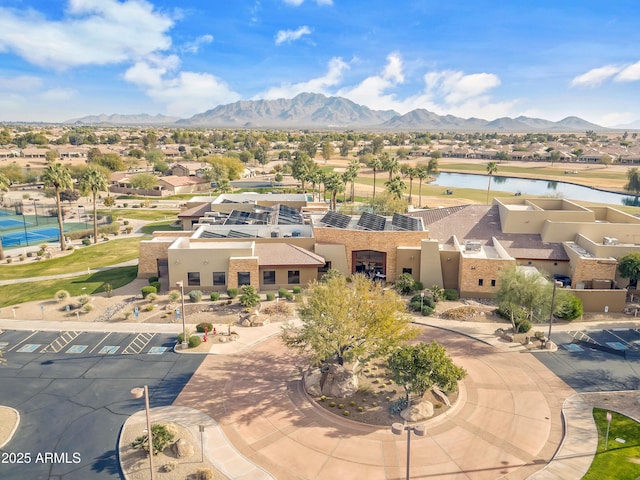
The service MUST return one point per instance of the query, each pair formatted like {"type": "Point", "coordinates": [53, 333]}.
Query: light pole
{"type": "Point", "coordinates": [420, 431]}
{"type": "Point", "coordinates": [185, 342]}
{"type": "Point", "coordinates": [421, 301]}
{"type": "Point", "coordinates": [138, 392]}
{"type": "Point", "coordinates": [553, 301]}
{"type": "Point", "coordinates": [35, 209]}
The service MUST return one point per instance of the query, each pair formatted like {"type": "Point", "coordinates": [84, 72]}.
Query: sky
{"type": "Point", "coordinates": [64, 59]}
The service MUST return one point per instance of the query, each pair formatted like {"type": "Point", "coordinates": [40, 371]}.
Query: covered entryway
{"type": "Point", "coordinates": [371, 263]}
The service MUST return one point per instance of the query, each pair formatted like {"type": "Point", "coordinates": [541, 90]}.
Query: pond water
{"type": "Point", "coordinates": [526, 186]}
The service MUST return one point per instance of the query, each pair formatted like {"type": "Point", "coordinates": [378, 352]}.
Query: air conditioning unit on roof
{"type": "Point", "coordinates": [610, 241]}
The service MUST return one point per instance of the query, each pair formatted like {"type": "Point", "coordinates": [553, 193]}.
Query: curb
{"type": "Point", "coordinates": [15, 426]}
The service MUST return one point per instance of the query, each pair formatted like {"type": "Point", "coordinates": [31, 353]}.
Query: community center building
{"type": "Point", "coordinates": [279, 240]}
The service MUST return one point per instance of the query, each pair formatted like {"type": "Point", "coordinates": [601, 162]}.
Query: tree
{"type": "Point", "coordinates": [374, 164]}
{"type": "Point", "coordinates": [4, 186]}
{"type": "Point", "coordinates": [377, 145]}
{"type": "Point", "coordinates": [327, 150]}
{"type": "Point", "coordinates": [348, 323]}
{"type": "Point", "coordinates": [396, 186]}
{"type": "Point", "coordinates": [410, 172]}
{"type": "Point", "coordinates": [144, 181]}
{"type": "Point", "coordinates": [92, 182]}
{"type": "Point", "coordinates": [334, 184]}
{"type": "Point", "coordinates": [422, 173]}
{"type": "Point", "coordinates": [633, 185]}
{"type": "Point", "coordinates": [390, 164]}
{"type": "Point", "coordinates": [555, 156]}
{"type": "Point", "coordinates": [387, 204]}
{"type": "Point", "coordinates": [492, 168]}
{"type": "Point", "coordinates": [345, 148]}
{"type": "Point", "coordinates": [51, 156]}
{"type": "Point", "coordinates": [70, 195]}
{"type": "Point", "coordinates": [301, 167]}
{"type": "Point", "coordinates": [629, 267]}
{"type": "Point", "coordinates": [57, 176]}
{"type": "Point", "coordinates": [351, 174]}
{"type": "Point", "coordinates": [417, 368]}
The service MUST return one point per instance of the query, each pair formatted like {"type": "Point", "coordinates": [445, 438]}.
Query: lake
{"type": "Point", "coordinates": [527, 186]}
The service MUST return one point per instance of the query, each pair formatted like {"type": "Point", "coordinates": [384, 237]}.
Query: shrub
{"type": "Point", "coordinates": [87, 307]}
{"type": "Point", "coordinates": [417, 302]}
{"type": "Point", "coordinates": [152, 297]}
{"type": "Point", "coordinates": [153, 279]}
{"type": "Point", "coordinates": [249, 297]}
{"type": "Point", "coordinates": [571, 309]}
{"type": "Point", "coordinates": [271, 297]}
{"type": "Point", "coordinates": [203, 474]}
{"type": "Point", "coordinates": [523, 326]}
{"type": "Point", "coordinates": [174, 295]}
{"type": "Point", "coordinates": [9, 259]}
{"type": "Point", "coordinates": [437, 293]}
{"type": "Point", "coordinates": [405, 284]}
{"type": "Point", "coordinates": [170, 466]}
{"type": "Point", "coordinates": [202, 325]}
{"type": "Point", "coordinates": [108, 288]}
{"type": "Point", "coordinates": [161, 439]}
{"type": "Point", "coordinates": [426, 310]}
{"type": "Point", "coordinates": [232, 292]}
{"type": "Point", "coordinates": [149, 308]}
{"type": "Point", "coordinates": [158, 285]}
{"type": "Point", "coordinates": [450, 294]}
{"type": "Point", "coordinates": [352, 403]}
{"type": "Point", "coordinates": [147, 290]}
{"type": "Point", "coordinates": [360, 409]}
{"type": "Point", "coordinates": [332, 404]}
{"type": "Point", "coordinates": [283, 293]}
{"type": "Point", "coordinates": [84, 299]}
{"type": "Point", "coordinates": [341, 406]}
{"type": "Point", "coordinates": [86, 242]}
{"type": "Point", "coordinates": [194, 341]}
{"type": "Point", "coordinates": [127, 314]}
{"type": "Point", "coordinates": [29, 254]}
{"type": "Point", "coordinates": [195, 296]}
{"type": "Point", "coordinates": [297, 289]}
{"type": "Point", "coordinates": [323, 398]}
{"type": "Point", "coordinates": [214, 296]}
{"type": "Point", "coordinates": [62, 295]}
{"type": "Point", "coordinates": [346, 413]}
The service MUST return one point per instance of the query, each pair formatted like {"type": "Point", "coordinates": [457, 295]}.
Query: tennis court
{"type": "Point", "coordinates": [7, 223]}
{"type": "Point", "coordinates": [32, 237]}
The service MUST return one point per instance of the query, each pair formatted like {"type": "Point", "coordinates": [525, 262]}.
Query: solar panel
{"type": "Point", "coordinates": [335, 219]}
{"type": "Point", "coordinates": [371, 221]}
{"type": "Point", "coordinates": [237, 217]}
{"type": "Point", "coordinates": [237, 234]}
{"type": "Point", "coordinates": [289, 216]}
{"type": "Point", "coordinates": [405, 222]}
{"type": "Point", "coordinates": [260, 217]}
{"type": "Point", "coordinates": [208, 234]}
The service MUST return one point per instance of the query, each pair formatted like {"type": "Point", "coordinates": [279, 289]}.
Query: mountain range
{"type": "Point", "coordinates": [313, 110]}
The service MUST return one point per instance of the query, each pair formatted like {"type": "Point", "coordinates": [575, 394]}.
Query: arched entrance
{"type": "Point", "coordinates": [370, 263]}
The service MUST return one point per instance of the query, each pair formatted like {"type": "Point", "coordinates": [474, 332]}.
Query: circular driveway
{"type": "Point", "coordinates": [507, 424]}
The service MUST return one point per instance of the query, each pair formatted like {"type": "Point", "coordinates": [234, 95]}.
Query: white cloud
{"type": "Point", "coordinates": [595, 76]}
{"type": "Point", "coordinates": [183, 93]}
{"type": "Point", "coordinates": [456, 87]}
{"type": "Point", "coordinates": [297, 3]}
{"type": "Point", "coordinates": [630, 73]}
{"type": "Point", "coordinates": [332, 78]}
{"type": "Point", "coordinates": [614, 119]}
{"type": "Point", "coordinates": [58, 94]}
{"type": "Point", "coordinates": [290, 35]}
{"type": "Point", "coordinates": [92, 32]}
{"type": "Point", "coordinates": [20, 83]}
{"type": "Point", "coordinates": [194, 46]}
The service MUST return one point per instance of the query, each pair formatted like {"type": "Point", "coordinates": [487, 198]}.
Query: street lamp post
{"type": "Point", "coordinates": [35, 209]}
{"type": "Point", "coordinates": [553, 301]}
{"type": "Point", "coordinates": [421, 301]}
{"type": "Point", "coordinates": [185, 342]}
{"type": "Point", "coordinates": [420, 431]}
{"type": "Point", "coordinates": [138, 393]}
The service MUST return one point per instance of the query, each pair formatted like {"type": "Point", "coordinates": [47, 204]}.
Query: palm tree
{"type": "Point", "coordinates": [410, 172]}
{"type": "Point", "coordinates": [4, 186]}
{"type": "Point", "coordinates": [396, 186]}
{"type": "Point", "coordinates": [421, 173]}
{"type": "Point", "coordinates": [375, 164]}
{"type": "Point", "coordinates": [93, 181]}
{"type": "Point", "coordinates": [333, 182]}
{"type": "Point", "coordinates": [492, 168]}
{"type": "Point", "coordinates": [391, 165]}
{"type": "Point", "coordinates": [353, 169]}
{"type": "Point", "coordinates": [57, 176]}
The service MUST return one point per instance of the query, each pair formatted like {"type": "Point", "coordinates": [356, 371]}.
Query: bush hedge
{"type": "Point", "coordinates": [232, 292]}
{"type": "Point", "coordinates": [195, 296]}
{"type": "Point", "coordinates": [147, 290]}
{"type": "Point", "coordinates": [204, 325]}
{"type": "Point", "coordinates": [215, 296]}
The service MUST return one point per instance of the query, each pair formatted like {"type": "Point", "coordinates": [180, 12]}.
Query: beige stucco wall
{"type": "Point", "coordinates": [152, 250]}
{"type": "Point", "coordinates": [307, 275]}
{"type": "Point", "coordinates": [336, 254]}
{"type": "Point", "coordinates": [430, 264]}
{"type": "Point", "coordinates": [450, 262]}
{"type": "Point", "coordinates": [409, 257]}
{"type": "Point", "coordinates": [597, 300]}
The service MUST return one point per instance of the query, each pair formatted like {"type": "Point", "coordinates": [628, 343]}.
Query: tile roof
{"type": "Point", "coordinates": [285, 254]}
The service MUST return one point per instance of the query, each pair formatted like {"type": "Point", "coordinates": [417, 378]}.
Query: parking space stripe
{"type": "Point", "coordinates": [21, 342]}
{"type": "Point", "coordinates": [138, 343]}
{"type": "Point", "coordinates": [100, 342]}
{"type": "Point", "coordinates": [64, 339]}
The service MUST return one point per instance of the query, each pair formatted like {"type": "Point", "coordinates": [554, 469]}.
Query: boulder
{"type": "Point", "coordinates": [312, 379]}
{"type": "Point", "coordinates": [418, 412]}
{"type": "Point", "coordinates": [339, 382]}
{"type": "Point", "coordinates": [182, 449]}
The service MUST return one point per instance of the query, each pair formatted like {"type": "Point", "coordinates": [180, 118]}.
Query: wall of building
{"type": "Point", "coordinates": [450, 264]}
{"type": "Point", "coordinates": [567, 231]}
{"type": "Point", "coordinates": [371, 240]}
{"type": "Point", "coordinates": [430, 264]}
{"type": "Point", "coordinates": [598, 300]}
{"type": "Point", "coordinates": [243, 264]}
{"type": "Point", "coordinates": [588, 269]}
{"type": "Point", "coordinates": [152, 250]}
{"type": "Point", "coordinates": [475, 270]}
{"type": "Point", "coordinates": [409, 257]}
{"type": "Point", "coordinates": [336, 254]}
{"type": "Point", "coordinates": [307, 275]}
{"type": "Point", "coordinates": [552, 267]}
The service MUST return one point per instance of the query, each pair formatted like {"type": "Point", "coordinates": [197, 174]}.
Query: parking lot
{"type": "Point", "coordinates": [596, 360]}
{"type": "Point", "coordinates": [72, 390]}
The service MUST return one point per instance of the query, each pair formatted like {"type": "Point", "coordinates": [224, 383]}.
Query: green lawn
{"type": "Point", "coordinates": [101, 255]}
{"type": "Point", "coordinates": [620, 460]}
{"type": "Point", "coordinates": [149, 228]}
{"type": "Point", "coordinates": [85, 284]}
{"type": "Point", "coordinates": [147, 214]}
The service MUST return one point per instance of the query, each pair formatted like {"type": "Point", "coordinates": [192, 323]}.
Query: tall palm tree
{"type": "Point", "coordinates": [57, 176]}
{"type": "Point", "coordinates": [396, 186]}
{"type": "Point", "coordinates": [409, 172]}
{"type": "Point", "coordinates": [421, 173]}
{"type": "Point", "coordinates": [353, 169]}
{"type": "Point", "coordinates": [391, 165]}
{"type": "Point", "coordinates": [375, 164]}
{"type": "Point", "coordinates": [333, 182]}
{"type": "Point", "coordinates": [492, 168]}
{"type": "Point", "coordinates": [4, 186]}
{"type": "Point", "coordinates": [93, 181]}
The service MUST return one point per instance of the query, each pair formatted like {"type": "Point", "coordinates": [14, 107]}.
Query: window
{"type": "Point", "coordinates": [244, 278]}
{"type": "Point", "coordinates": [480, 282]}
{"type": "Point", "coordinates": [269, 277]}
{"type": "Point", "coordinates": [493, 283]}
{"type": "Point", "coordinates": [325, 268]}
{"type": "Point", "coordinates": [219, 278]}
{"type": "Point", "coordinates": [293, 276]}
{"type": "Point", "coordinates": [193, 279]}
{"type": "Point", "coordinates": [407, 270]}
